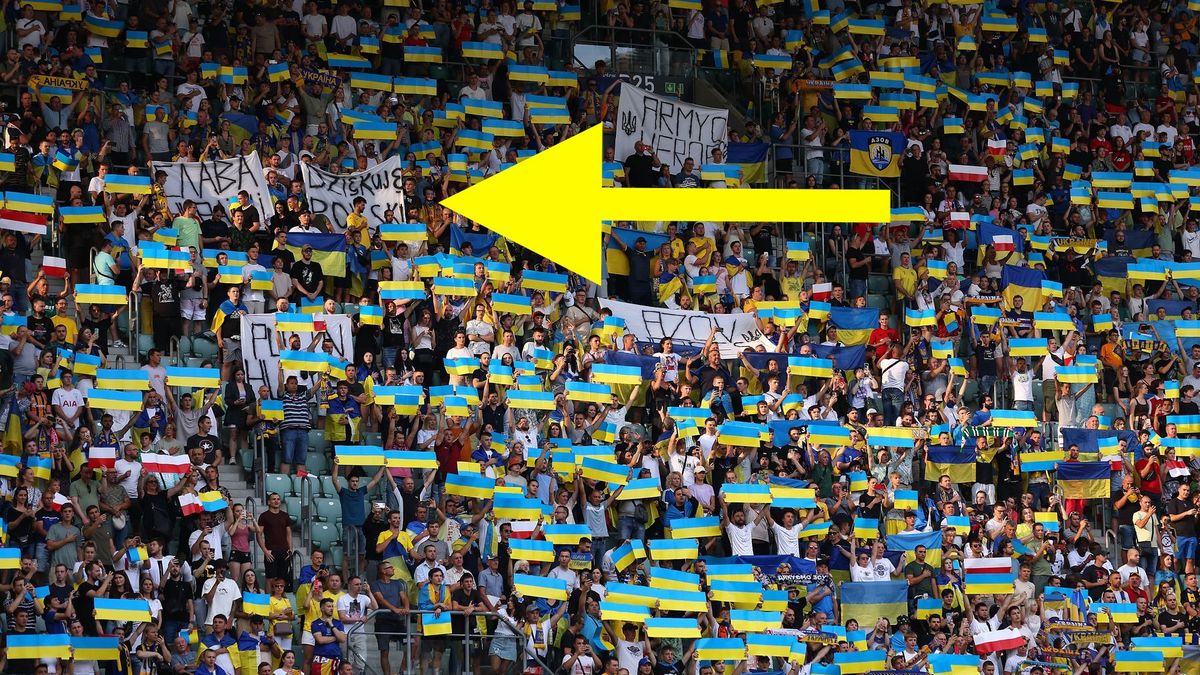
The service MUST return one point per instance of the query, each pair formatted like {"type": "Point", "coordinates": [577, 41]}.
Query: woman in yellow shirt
{"type": "Point", "coordinates": [281, 614]}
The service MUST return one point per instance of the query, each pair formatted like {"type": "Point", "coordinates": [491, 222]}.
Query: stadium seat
{"type": "Point", "coordinates": [325, 537]}
{"type": "Point", "coordinates": [281, 483]}
{"type": "Point", "coordinates": [144, 343]}
{"type": "Point", "coordinates": [246, 461]}
{"type": "Point", "coordinates": [316, 440]}
{"type": "Point", "coordinates": [293, 506]}
{"type": "Point", "coordinates": [326, 509]}
{"type": "Point", "coordinates": [372, 438]}
{"type": "Point", "coordinates": [317, 461]}
{"type": "Point", "coordinates": [327, 487]}
{"type": "Point", "coordinates": [204, 349]}
{"type": "Point", "coordinates": [879, 284]}
{"type": "Point", "coordinates": [192, 361]}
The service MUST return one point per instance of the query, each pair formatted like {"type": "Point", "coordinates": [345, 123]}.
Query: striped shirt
{"type": "Point", "coordinates": [295, 411]}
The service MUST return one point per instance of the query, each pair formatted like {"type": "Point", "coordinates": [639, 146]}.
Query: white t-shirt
{"type": "Point", "coordinates": [222, 600]}
{"type": "Point", "coordinates": [882, 569]}
{"type": "Point", "coordinates": [1023, 385]}
{"type": "Point", "coordinates": [158, 378]}
{"type": "Point", "coordinates": [629, 654]}
{"type": "Point", "coordinates": [214, 541]}
{"type": "Point", "coordinates": [189, 88]}
{"type": "Point", "coordinates": [740, 539]}
{"type": "Point", "coordinates": [70, 401]}
{"type": "Point", "coordinates": [1050, 366]}
{"type": "Point", "coordinates": [895, 372]}
{"type": "Point", "coordinates": [314, 25]}
{"type": "Point", "coordinates": [786, 541]}
{"type": "Point", "coordinates": [135, 473]}
{"type": "Point", "coordinates": [34, 38]}
{"type": "Point", "coordinates": [352, 606]}
{"type": "Point", "coordinates": [584, 665]}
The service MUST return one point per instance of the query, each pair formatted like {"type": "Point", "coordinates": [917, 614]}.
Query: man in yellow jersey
{"type": "Point", "coordinates": [356, 220]}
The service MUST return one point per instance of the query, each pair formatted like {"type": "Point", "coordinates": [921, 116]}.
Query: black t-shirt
{"type": "Point", "coordinates": [392, 332]}
{"type": "Point", "coordinates": [208, 445]}
{"type": "Point", "coordinates": [164, 296]}
{"type": "Point", "coordinates": [1167, 618]}
{"type": "Point", "coordinates": [1125, 513]}
{"type": "Point", "coordinates": [41, 328]}
{"type": "Point", "coordinates": [985, 359]}
{"type": "Point", "coordinates": [640, 170]}
{"type": "Point", "coordinates": [85, 607]}
{"type": "Point", "coordinates": [463, 598]}
{"type": "Point", "coordinates": [1092, 574]}
{"type": "Point", "coordinates": [175, 594]}
{"type": "Point", "coordinates": [1184, 527]}
{"type": "Point", "coordinates": [308, 274]}
{"type": "Point", "coordinates": [856, 254]}
{"type": "Point", "coordinates": [213, 228]}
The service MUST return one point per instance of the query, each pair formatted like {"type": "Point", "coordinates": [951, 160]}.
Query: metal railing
{"type": "Point", "coordinates": [260, 453]}
{"type": "Point", "coordinates": [655, 60]}
{"type": "Point", "coordinates": [133, 304]}
{"type": "Point", "coordinates": [409, 634]}
{"type": "Point", "coordinates": [306, 496]}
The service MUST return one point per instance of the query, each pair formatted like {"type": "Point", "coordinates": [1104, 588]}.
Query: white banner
{"type": "Point", "coordinates": [333, 194]}
{"type": "Point", "coordinates": [216, 182]}
{"type": "Point", "coordinates": [260, 347]}
{"type": "Point", "coordinates": [674, 129]}
{"type": "Point", "coordinates": [735, 332]}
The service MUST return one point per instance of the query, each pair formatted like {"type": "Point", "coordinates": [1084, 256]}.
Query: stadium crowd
{"type": "Point", "coordinates": [958, 442]}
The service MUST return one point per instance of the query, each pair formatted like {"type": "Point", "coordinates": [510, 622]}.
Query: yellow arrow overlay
{"type": "Point", "coordinates": [553, 204]}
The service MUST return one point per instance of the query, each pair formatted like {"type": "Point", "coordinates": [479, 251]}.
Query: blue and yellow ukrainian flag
{"type": "Point", "coordinates": [868, 601]}
{"type": "Point", "coordinates": [482, 50]}
{"type": "Point", "coordinates": [693, 528]}
{"type": "Point", "coordinates": [951, 461]}
{"type": "Point", "coordinates": [113, 609]}
{"type": "Point", "coordinates": [1084, 480]}
{"type": "Point", "coordinates": [674, 549]}
{"type": "Point", "coordinates": [96, 25]}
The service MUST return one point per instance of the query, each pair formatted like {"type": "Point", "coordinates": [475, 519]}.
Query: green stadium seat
{"type": "Point", "coordinates": [327, 488]}
{"type": "Point", "coordinates": [144, 343]}
{"type": "Point", "coordinates": [204, 349]}
{"type": "Point", "coordinates": [327, 510]}
{"type": "Point", "coordinates": [325, 537]}
{"type": "Point", "coordinates": [281, 483]}
{"type": "Point", "coordinates": [316, 439]}
{"type": "Point", "coordinates": [317, 461]}
{"type": "Point", "coordinates": [192, 361]}
{"type": "Point", "coordinates": [246, 460]}
{"type": "Point", "coordinates": [878, 302]}
{"type": "Point", "coordinates": [293, 507]}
